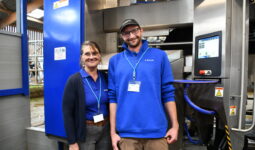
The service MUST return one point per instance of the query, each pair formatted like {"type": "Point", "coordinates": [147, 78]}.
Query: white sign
{"type": "Point", "coordinates": [60, 3]}
{"type": "Point", "coordinates": [60, 53]}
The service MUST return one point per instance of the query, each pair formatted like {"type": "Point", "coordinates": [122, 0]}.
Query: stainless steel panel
{"type": "Point", "coordinates": [10, 62]}
{"type": "Point", "coordinates": [111, 42]}
{"type": "Point", "coordinates": [155, 15]}
{"type": "Point", "coordinates": [177, 68]}
{"type": "Point", "coordinates": [237, 58]}
{"type": "Point", "coordinates": [206, 14]}
{"type": "Point", "coordinates": [94, 27]}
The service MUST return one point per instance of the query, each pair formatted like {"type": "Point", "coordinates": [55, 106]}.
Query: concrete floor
{"type": "Point", "coordinates": [37, 112]}
{"type": "Point", "coordinates": [189, 146]}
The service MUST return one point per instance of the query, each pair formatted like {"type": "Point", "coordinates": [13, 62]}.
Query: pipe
{"type": "Point", "coordinates": [189, 137]}
{"type": "Point", "coordinates": [243, 67]}
{"type": "Point", "coordinates": [191, 104]}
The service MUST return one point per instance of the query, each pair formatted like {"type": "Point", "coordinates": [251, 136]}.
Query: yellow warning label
{"type": "Point", "coordinates": [219, 91]}
{"type": "Point", "coordinates": [232, 110]}
{"type": "Point", "coordinates": [60, 3]}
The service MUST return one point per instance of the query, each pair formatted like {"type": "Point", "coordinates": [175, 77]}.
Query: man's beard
{"type": "Point", "coordinates": [136, 44]}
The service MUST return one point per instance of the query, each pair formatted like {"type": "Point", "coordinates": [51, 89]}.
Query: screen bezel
{"type": "Point", "coordinates": [213, 63]}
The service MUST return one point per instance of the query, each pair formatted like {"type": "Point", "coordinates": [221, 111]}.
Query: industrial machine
{"type": "Point", "coordinates": [220, 52]}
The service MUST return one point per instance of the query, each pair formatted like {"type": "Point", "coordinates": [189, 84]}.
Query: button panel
{"type": "Point", "coordinates": [205, 72]}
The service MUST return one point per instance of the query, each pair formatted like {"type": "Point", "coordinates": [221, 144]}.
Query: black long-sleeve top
{"type": "Point", "coordinates": [74, 109]}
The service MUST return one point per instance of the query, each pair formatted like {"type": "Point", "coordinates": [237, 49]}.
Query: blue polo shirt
{"type": "Point", "coordinates": [91, 100]}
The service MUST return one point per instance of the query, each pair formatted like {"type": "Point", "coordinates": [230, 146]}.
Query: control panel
{"type": "Point", "coordinates": [208, 51]}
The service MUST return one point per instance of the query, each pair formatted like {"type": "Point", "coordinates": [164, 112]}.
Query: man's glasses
{"type": "Point", "coordinates": [91, 53]}
{"type": "Point", "coordinates": [127, 33]}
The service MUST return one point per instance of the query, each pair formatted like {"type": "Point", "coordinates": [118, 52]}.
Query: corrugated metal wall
{"type": "Point", "coordinates": [14, 109]}
{"type": "Point", "coordinates": [35, 40]}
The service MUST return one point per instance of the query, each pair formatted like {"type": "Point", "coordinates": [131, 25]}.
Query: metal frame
{"type": "Point", "coordinates": [22, 27]}
{"type": "Point", "coordinates": [35, 58]}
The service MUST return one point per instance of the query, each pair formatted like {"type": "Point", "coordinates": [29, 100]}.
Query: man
{"type": "Point", "coordinates": [140, 92]}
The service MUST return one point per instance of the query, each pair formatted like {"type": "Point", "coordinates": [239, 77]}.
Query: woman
{"type": "Point", "coordinates": [85, 104]}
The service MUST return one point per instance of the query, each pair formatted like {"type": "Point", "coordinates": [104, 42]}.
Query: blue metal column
{"type": "Point", "coordinates": [63, 35]}
{"type": "Point", "coordinates": [24, 45]}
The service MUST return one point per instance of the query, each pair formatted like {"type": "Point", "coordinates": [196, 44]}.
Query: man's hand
{"type": "Point", "coordinates": [172, 135]}
{"type": "Point", "coordinates": [115, 139]}
{"type": "Point", "coordinates": [74, 146]}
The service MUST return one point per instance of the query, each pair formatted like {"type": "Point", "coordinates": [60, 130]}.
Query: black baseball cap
{"type": "Point", "coordinates": [128, 22]}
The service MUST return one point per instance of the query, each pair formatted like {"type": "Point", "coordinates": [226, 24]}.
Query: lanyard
{"type": "Point", "coordinates": [98, 98]}
{"type": "Point", "coordinates": [134, 67]}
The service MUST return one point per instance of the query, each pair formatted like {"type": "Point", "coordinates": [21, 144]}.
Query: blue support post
{"type": "Point", "coordinates": [64, 33]}
{"type": "Point", "coordinates": [24, 47]}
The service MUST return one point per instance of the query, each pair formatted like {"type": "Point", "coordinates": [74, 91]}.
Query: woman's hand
{"type": "Point", "coordinates": [74, 146]}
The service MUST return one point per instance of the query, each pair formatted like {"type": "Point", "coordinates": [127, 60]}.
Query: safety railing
{"type": "Point", "coordinates": [253, 118]}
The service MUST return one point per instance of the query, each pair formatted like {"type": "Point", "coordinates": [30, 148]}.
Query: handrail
{"type": "Point", "coordinates": [191, 104]}
{"type": "Point", "coordinates": [253, 118]}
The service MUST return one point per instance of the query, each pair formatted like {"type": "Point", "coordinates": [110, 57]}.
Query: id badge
{"type": "Point", "coordinates": [134, 86]}
{"type": "Point", "coordinates": [98, 118]}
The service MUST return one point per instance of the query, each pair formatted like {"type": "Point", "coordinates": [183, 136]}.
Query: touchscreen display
{"type": "Point", "coordinates": [208, 47]}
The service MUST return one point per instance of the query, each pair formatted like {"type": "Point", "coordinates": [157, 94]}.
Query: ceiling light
{"type": "Point", "coordinates": [37, 13]}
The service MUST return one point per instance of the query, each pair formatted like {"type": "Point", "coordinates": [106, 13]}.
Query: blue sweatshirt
{"type": "Point", "coordinates": [141, 114]}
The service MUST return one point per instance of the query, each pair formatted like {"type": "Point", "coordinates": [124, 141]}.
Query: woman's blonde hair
{"type": "Point", "coordinates": [92, 44]}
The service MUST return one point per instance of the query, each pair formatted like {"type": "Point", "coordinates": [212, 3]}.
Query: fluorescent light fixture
{"type": "Point", "coordinates": [37, 13]}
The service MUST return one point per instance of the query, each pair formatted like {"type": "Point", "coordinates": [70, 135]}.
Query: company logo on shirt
{"type": "Point", "coordinates": [105, 90]}
{"type": "Point", "coordinates": [149, 60]}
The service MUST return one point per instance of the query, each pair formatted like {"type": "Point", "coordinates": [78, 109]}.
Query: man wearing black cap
{"type": "Point", "coordinates": [140, 92]}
